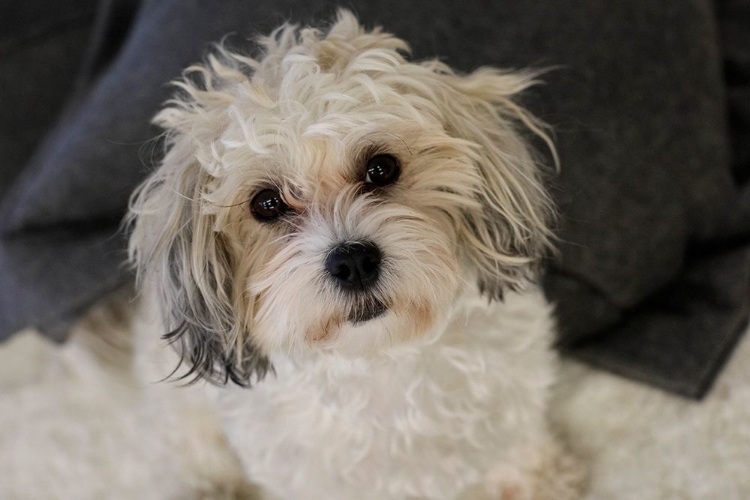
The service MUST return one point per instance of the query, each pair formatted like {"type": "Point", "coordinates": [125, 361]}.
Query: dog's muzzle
{"type": "Point", "coordinates": [354, 265]}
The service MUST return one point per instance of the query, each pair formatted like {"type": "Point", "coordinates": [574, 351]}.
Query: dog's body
{"type": "Point", "coordinates": [335, 225]}
{"type": "Point", "coordinates": [459, 415]}
{"type": "Point", "coordinates": [461, 409]}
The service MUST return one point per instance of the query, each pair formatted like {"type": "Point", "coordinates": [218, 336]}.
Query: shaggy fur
{"type": "Point", "coordinates": [444, 396]}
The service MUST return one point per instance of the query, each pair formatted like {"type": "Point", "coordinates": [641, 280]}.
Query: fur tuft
{"type": "Point", "coordinates": [176, 251]}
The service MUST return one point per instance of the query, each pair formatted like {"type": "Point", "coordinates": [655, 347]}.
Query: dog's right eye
{"type": "Point", "coordinates": [382, 169]}
{"type": "Point", "coordinates": [268, 205]}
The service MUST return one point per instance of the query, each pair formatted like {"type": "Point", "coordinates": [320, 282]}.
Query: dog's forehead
{"type": "Point", "coordinates": [308, 144]}
{"type": "Point", "coordinates": [309, 125]}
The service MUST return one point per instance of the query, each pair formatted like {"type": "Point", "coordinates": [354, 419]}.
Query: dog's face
{"type": "Point", "coordinates": [333, 196]}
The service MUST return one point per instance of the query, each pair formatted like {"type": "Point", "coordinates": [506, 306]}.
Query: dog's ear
{"type": "Point", "coordinates": [177, 250]}
{"type": "Point", "coordinates": [508, 234]}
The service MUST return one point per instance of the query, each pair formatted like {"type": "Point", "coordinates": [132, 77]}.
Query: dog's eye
{"type": "Point", "coordinates": [267, 205]}
{"type": "Point", "coordinates": [382, 170]}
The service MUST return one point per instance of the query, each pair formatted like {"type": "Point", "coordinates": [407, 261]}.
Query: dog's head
{"type": "Point", "coordinates": [332, 195]}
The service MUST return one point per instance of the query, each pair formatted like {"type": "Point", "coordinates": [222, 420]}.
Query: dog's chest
{"type": "Point", "coordinates": [425, 421]}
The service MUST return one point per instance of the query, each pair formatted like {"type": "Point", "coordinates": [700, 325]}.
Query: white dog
{"type": "Point", "coordinates": [347, 237]}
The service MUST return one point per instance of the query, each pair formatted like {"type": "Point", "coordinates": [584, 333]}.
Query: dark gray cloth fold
{"type": "Point", "coordinates": [40, 51]}
{"type": "Point", "coordinates": [652, 280]}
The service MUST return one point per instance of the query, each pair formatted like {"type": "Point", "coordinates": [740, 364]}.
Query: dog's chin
{"type": "Point", "coordinates": [369, 310]}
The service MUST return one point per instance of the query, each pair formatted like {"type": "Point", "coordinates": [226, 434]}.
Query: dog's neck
{"type": "Point", "coordinates": [472, 330]}
{"type": "Point", "coordinates": [444, 328]}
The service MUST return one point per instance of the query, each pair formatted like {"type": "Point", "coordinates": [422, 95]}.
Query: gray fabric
{"type": "Point", "coordinates": [734, 22]}
{"type": "Point", "coordinates": [40, 51]}
{"type": "Point", "coordinates": [652, 280]}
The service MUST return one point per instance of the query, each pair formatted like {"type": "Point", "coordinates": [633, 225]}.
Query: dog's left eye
{"type": "Point", "coordinates": [382, 169]}
{"type": "Point", "coordinates": [268, 205]}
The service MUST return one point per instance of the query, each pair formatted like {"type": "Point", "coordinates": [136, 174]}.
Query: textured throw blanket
{"type": "Point", "coordinates": [650, 103]}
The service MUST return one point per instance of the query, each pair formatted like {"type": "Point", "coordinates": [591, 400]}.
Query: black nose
{"type": "Point", "coordinates": [354, 266]}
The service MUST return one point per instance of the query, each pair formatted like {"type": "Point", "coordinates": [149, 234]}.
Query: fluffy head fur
{"type": "Point", "coordinates": [469, 206]}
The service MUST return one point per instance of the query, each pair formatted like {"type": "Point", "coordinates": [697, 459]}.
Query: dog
{"type": "Point", "coordinates": [345, 243]}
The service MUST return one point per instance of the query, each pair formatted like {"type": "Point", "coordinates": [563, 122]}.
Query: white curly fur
{"type": "Point", "coordinates": [431, 420]}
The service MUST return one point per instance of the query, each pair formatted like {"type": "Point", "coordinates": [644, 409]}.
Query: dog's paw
{"type": "Point", "coordinates": [244, 491]}
{"type": "Point", "coordinates": [550, 473]}
{"type": "Point", "coordinates": [507, 482]}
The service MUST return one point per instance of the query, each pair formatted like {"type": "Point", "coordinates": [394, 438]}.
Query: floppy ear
{"type": "Point", "coordinates": [176, 249]}
{"type": "Point", "coordinates": [508, 234]}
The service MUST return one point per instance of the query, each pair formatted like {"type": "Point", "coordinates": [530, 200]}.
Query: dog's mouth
{"type": "Point", "coordinates": [366, 311]}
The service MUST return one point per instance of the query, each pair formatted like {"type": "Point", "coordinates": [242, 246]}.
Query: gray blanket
{"type": "Point", "coordinates": [650, 102]}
